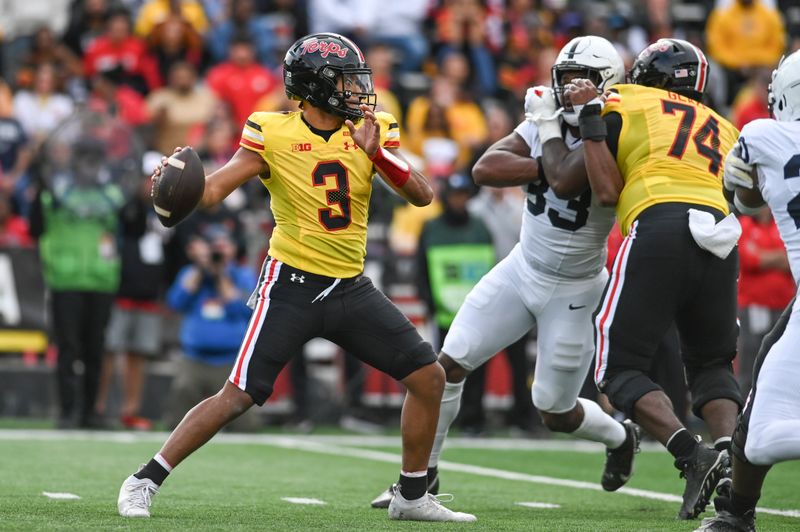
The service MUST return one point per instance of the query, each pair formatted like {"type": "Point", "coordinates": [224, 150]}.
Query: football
{"type": "Point", "coordinates": [179, 187]}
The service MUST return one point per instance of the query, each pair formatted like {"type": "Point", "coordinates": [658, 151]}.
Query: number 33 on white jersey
{"type": "Point", "coordinates": [564, 238]}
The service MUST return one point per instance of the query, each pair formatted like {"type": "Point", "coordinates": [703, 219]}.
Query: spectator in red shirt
{"type": "Point", "coordinates": [118, 48]}
{"type": "Point", "coordinates": [765, 286]}
{"type": "Point", "coordinates": [752, 101]}
{"type": "Point", "coordinates": [13, 229]}
{"type": "Point", "coordinates": [111, 97]}
{"type": "Point", "coordinates": [87, 22]}
{"type": "Point", "coordinates": [241, 81]}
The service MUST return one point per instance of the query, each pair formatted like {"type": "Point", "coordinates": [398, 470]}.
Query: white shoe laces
{"type": "Point", "coordinates": [141, 496]}
{"type": "Point", "coordinates": [443, 497]}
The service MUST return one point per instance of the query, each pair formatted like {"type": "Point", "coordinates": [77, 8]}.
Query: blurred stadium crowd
{"type": "Point", "coordinates": [189, 72]}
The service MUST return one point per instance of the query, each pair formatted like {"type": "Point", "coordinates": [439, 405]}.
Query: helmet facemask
{"type": "Point", "coordinates": [559, 72]}
{"type": "Point", "coordinates": [352, 88]}
{"type": "Point", "coordinates": [771, 98]}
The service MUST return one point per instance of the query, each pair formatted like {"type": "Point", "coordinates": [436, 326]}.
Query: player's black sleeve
{"type": "Point", "coordinates": [614, 127]}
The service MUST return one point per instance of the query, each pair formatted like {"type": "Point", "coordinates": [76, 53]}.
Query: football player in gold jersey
{"type": "Point", "coordinates": [318, 164]}
{"type": "Point", "coordinates": [655, 151]}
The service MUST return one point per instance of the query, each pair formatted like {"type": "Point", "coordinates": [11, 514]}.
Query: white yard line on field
{"type": "Point", "coordinates": [60, 495]}
{"type": "Point", "coordinates": [496, 444]}
{"type": "Point", "coordinates": [325, 445]}
{"type": "Point", "coordinates": [538, 504]}
{"type": "Point", "coordinates": [303, 500]}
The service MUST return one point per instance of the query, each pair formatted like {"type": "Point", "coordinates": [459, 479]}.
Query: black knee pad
{"type": "Point", "coordinates": [627, 387]}
{"type": "Point", "coordinates": [712, 382]}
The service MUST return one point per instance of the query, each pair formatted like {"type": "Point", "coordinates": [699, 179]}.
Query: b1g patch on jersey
{"type": "Point", "coordinates": [301, 146]}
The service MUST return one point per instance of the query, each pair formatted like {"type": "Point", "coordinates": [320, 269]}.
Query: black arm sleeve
{"type": "Point", "coordinates": [614, 126]}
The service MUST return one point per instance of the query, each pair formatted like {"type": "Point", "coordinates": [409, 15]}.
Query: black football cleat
{"type": "Point", "coordinates": [619, 462]}
{"type": "Point", "coordinates": [702, 471]}
{"type": "Point", "coordinates": [726, 521]}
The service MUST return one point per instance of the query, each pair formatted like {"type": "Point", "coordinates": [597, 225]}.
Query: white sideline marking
{"type": "Point", "coordinates": [60, 495]}
{"type": "Point", "coordinates": [538, 504]}
{"type": "Point", "coordinates": [302, 500]}
{"type": "Point", "coordinates": [324, 445]}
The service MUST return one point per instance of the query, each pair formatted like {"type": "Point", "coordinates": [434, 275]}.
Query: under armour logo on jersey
{"type": "Point", "coordinates": [298, 278]}
{"type": "Point", "coordinates": [348, 145]}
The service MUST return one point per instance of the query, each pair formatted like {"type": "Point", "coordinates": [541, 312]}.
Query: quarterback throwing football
{"type": "Point", "coordinates": [318, 164]}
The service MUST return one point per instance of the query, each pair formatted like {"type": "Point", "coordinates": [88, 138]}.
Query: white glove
{"type": "Point", "coordinates": [540, 108]}
{"type": "Point", "coordinates": [737, 173]}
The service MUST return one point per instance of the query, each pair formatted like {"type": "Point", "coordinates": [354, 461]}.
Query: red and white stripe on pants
{"type": "Point", "coordinates": [604, 319]}
{"type": "Point", "coordinates": [239, 372]}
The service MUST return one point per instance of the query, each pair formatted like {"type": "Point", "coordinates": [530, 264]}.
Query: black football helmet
{"type": "Point", "coordinates": [329, 71]}
{"type": "Point", "coordinates": [674, 65]}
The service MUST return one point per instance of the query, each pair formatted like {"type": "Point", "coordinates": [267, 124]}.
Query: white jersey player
{"type": "Point", "coordinates": [554, 276]}
{"type": "Point", "coordinates": [768, 430]}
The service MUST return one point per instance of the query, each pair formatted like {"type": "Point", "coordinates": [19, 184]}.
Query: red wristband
{"type": "Point", "coordinates": [397, 170]}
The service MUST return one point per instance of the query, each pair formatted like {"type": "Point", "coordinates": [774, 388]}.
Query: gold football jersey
{"type": "Point", "coordinates": [671, 149]}
{"type": "Point", "coordinates": [320, 190]}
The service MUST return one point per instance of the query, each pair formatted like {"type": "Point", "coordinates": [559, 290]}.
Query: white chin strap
{"type": "Point", "coordinates": [571, 117]}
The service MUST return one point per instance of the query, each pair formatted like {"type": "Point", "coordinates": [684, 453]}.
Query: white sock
{"type": "Point", "coordinates": [451, 403]}
{"type": "Point", "coordinates": [599, 426]}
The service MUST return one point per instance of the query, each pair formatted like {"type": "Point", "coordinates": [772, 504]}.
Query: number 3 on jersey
{"type": "Point", "coordinates": [339, 196]}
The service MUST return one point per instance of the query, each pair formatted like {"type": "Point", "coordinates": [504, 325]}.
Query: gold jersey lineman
{"type": "Point", "coordinates": [320, 190]}
{"type": "Point", "coordinates": [671, 149]}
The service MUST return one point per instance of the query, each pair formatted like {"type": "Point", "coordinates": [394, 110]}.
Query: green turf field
{"type": "Point", "coordinates": [238, 484]}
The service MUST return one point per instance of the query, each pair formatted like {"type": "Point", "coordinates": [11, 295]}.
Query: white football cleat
{"type": "Point", "coordinates": [426, 508]}
{"type": "Point", "coordinates": [136, 496]}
